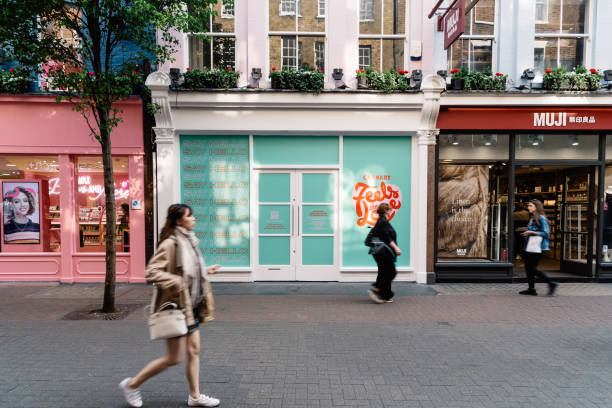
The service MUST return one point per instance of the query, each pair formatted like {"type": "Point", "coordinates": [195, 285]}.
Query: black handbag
{"type": "Point", "coordinates": [369, 238]}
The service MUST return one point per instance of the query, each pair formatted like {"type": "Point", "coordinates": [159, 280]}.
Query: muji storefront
{"type": "Point", "coordinates": [51, 177]}
{"type": "Point", "coordinates": [283, 185]}
{"type": "Point", "coordinates": [494, 155]}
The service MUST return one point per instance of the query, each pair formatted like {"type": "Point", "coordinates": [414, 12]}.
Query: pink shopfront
{"type": "Point", "coordinates": [51, 179]}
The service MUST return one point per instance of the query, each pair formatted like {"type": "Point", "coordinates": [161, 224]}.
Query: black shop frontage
{"type": "Point", "coordinates": [491, 161]}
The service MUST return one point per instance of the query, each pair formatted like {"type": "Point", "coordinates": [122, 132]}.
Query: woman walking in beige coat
{"type": "Point", "coordinates": [178, 272]}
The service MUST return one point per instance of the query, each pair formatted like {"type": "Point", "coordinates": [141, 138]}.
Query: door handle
{"type": "Point", "coordinates": [291, 232]}
{"type": "Point", "coordinates": [298, 221]}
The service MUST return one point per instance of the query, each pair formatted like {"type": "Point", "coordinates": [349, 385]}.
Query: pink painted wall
{"type": "Point", "coordinates": [28, 123]}
{"type": "Point", "coordinates": [36, 124]}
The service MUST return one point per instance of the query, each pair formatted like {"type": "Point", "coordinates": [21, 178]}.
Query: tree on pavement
{"type": "Point", "coordinates": [74, 44]}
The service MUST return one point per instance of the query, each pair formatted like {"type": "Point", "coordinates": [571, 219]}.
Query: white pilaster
{"type": "Point", "coordinates": [168, 179]}
{"type": "Point", "coordinates": [432, 87]}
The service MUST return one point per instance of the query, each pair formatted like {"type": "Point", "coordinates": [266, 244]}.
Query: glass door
{"type": "Point", "coordinates": [577, 212]}
{"type": "Point", "coordinates": [297, 225]}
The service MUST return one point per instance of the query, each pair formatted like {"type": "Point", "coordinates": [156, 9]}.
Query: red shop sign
{"type": "Point", "coordinates": [525, 119]}
{"type": "Point", "coordinates": [454, 23]}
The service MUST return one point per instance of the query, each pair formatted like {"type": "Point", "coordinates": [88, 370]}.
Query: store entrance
{"type": "Point", "coordinates": [568, 195]}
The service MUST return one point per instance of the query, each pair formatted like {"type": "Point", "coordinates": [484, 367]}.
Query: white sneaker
{"type": "Point", "coordinates": [375, 297]}
{"type": "Point", "coordinates": [203, 401]}
{"type": "Point", "coordinates": [132, 395]}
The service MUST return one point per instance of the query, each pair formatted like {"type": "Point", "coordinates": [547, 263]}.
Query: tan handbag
{"type": "Point", "coordinates": [166, 322]}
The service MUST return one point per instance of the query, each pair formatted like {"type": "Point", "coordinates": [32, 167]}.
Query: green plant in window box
{"type": "Point", "coordinates": [304, 80]}
{"type": "Point", "coordinates": [485, 81]}
{"type": "Point", "coordinates": [210, 78]}
{"type": "Point", "coordinates": [15, 81]}
{"type": "Point", "coordinates": [389, 81]}
{"type": "Point", "coordinates": [362, 78]}
{"type": "Point", "coordinates": [458, 78]}
{"type": "Point", "coordinates": [593, 78]}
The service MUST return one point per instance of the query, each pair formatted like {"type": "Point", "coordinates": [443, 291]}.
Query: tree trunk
{"type": "Point", "coordinates": [111, 221]}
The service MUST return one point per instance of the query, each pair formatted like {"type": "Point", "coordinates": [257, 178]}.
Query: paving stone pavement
{"type": "Point", "coordinates": [454, 347]}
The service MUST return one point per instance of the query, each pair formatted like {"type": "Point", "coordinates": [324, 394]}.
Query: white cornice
{"type": "Point", "coordinates": [526, 99]}
{"type": "Point", "coordinates": [294, 100]}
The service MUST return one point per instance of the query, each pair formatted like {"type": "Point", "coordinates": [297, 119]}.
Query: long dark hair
{"type": "Point", "coordinates": [539, 211]}
{"type": "Point", "coordinates": [175, 213]}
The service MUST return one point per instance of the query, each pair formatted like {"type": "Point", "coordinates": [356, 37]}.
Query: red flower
{"type": "Point", "coordinates": [273, 68]}
{"type": "Point", "coordinates": [593, 71]}
{"type": "Point", "coordinates": [229, 69]}
{"type": "Point", "coordinates": [499, 74]}
{"type": "Point", "coordinates": [134, 72]}
{"type": "Point", "coordinates": [188, 69]}
{"type": "Point", "coordinates": [548, 70]}
{"type": "Point", "coordinates": [320, 70]}
{"type": "Point", "coordinates": [362, 70]}
{"type": "Point", "coordinates": [91, 74]}
{"type": "Point", "coordinates": [11, 70]}
{"type": "Point", "coordinates": [454, 71]}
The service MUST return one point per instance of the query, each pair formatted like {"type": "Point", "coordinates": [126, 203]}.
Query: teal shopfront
{"type": "Point", "coordinates": [295, 207]}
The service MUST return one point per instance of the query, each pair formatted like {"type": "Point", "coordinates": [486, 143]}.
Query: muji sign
{"type": "Point", "coordinates": [509, 118]}
{"type": "Point", "coordinates": [454, 23]}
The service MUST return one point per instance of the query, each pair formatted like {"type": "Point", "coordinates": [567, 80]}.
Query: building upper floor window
{"type": "Point", "coordinates": [218, 50]}
{"type": "Point", "coordinates": [474, 49]}
{"type": "Point", "coordinates": [366, 10]}
{"type": "Point", "coordinates": [297, 41]}
{"type": "Point", "coordinates": [288, 7]}
{"type": "Point", "coordinates": [560, 34]}
{"type": "Point", "coordinates": [227, 11]}
{"type": "Point", "coordinates": [541, 11]}
{"type": "Point", "coordinates": [382, 34]}
{"type": "Point", "coordinates": [322, 8]}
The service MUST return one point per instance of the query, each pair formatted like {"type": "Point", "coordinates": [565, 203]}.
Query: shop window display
{"type": "Point", "coordinates": [30, 205]}
{"type": "Point", "coordinates": [90, 200]}
{"type": "Point", "coordinates": [473, 198]}
{"type": "Point", "coordinates": [606, 253]}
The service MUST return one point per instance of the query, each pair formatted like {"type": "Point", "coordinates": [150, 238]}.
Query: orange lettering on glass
{"type": "Point", "coordinates": [367, 198]}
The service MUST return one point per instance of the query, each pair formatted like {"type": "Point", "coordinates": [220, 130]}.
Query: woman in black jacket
{"type": "Point", "coordinates": [385, 259]}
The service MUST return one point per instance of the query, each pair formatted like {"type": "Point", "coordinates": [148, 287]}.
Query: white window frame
{"type": "Point", "coordinates": [545, 14]}
{"type": "Point", "coordinates": [227, 11]}
{"type": "Point", "coordinates": [485, 37]}
{"type": "Point", "coordinates": [561, 36]}
{"type": "Point", "coordinates": [212, 34]}
{"type": "Point", "coordinates": [283, 10]}
{"type": "Point", "coordinates": [366, 6]}
{"type": "Point", "coordinates": [381, 37]}
{"type": "Point", "coordinates": [363, 57]}
{"type": "Point", "coordinates": [298, 55]}
{"type": "Point", "coordinates": [319, 54]}
{"type": "Point", "coordinates": [322, 4]}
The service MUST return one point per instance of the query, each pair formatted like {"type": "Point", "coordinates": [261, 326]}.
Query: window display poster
{"type": "Point", "coordinates": [21, 212]}
{"type": "Point", "coordinates": [463, 192]}
{"type": "Point", "coordinates": [375, 170]}
{"type": "Point", "coordinates": [215, 183]}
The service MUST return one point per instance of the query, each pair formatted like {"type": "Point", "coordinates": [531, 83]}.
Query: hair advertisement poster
{"type": "Point", "coordinates": [463, 192]}
{"type": "Point", "coordinates": [21, 212]}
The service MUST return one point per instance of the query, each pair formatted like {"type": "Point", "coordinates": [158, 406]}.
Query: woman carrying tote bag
{"type": "Point", "coordinates": [537, 236]}
{"type": "Point", "coordinates": [179, 274]}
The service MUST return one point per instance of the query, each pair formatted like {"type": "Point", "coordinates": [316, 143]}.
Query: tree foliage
{"type": "Point", "coordinates": [77, 43]}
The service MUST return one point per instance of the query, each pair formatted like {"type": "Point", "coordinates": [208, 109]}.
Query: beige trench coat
{"type": "Point", "coordinates": [163, 272]}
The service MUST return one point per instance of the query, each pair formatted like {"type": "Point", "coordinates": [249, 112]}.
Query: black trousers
{"type": "Point", "coordinates": [531, 268]}
{"type": "Point", "coordinates": [386, 274]}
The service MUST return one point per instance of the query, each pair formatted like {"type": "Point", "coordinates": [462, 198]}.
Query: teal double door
{"type": "Point", "coordinates": [297, 225]}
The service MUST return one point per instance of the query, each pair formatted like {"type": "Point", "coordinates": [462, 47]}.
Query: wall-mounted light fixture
{"type": "Point", "coordinates": [443, 73]}
{"type": "Point", "coordinates": [256, 74]}
{"type": "Point", "coordinates": [337, 74]}
{"type": "Point", "coordinates": [535, 140]}
{"type": "Point", "coordinates": [175, 77]}
{"type": "Point", "coordinates": [489, 140]}
{"type": "Point", "coordinates": [528, 74]}
{"type": "Point", "coordinates": [416, 77]}
{"type": "Point", "coordinates": [573, 140]}
{"type": "Point", "coordinates": [452, 140]}
{"type": "Point", "coordinates": [607, 76]}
